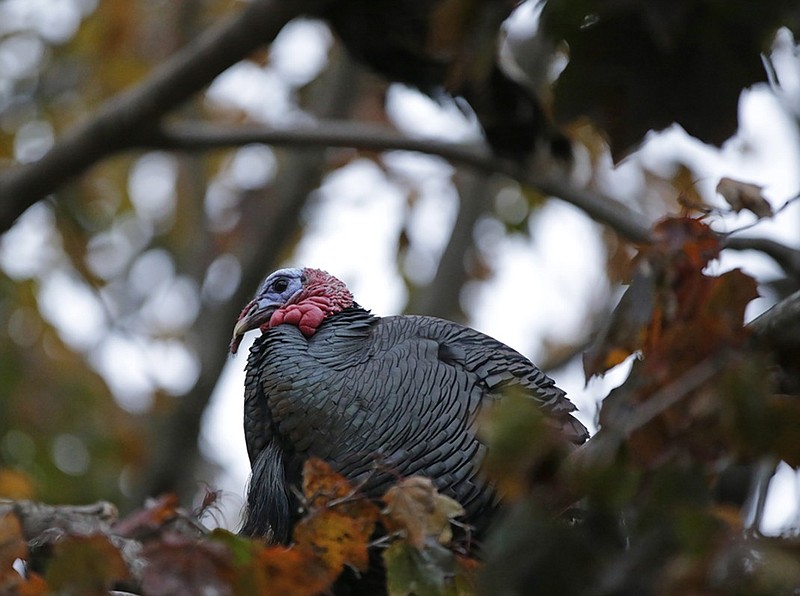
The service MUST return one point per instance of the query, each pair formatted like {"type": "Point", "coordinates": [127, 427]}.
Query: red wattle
{"type": "Point", "coordinates": [306, 316]}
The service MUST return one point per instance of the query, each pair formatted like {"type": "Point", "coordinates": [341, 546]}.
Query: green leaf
{"type": "Point", "coordinates": [426, 572]}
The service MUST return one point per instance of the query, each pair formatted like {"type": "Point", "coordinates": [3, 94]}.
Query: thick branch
{"type": "Point", "coordinates": [198, 136]}
{"type": "Point", "coordinates": [268, 227]}
{"type": "Point", "coordinates": [38, 518]}
{"type": "Point", "coordinates": [780, 325]}
{"type": "Point", "coordinates": [120, 120]}
{"type": "Point", "coordinates": [440, 298]}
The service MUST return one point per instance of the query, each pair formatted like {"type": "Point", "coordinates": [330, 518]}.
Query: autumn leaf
{"type": "Point", "coordinates": [338, 537]}
{"type": "Point", "coordinates": [670, 400]}
{"type": "Point", "coordinates": [291, 571]}
{"type": "Point", "coordinates": [744, 195]}
{"type": "Point", "coordinates": [149, 518]}
{"type": "Point", "coordinates": [12, 547]}
{"type": "Point", "coordinates": [15, 484]}
{"type": "Point", "coordinates": [339, 523]}
{"type": "Point", "coordinates": [33, 585]}
{"type": "Point", "coordinates": [683, 239]}
{"type": "Point", "coordinates": [85, 566]}
{"type": "Point", "coordinates": [689, 197]}
{"type": "Point", "coordinates": [178, 564]}
{"type": "Point", "coordinates": [270, 570]}
{"type": "Point", "coordinates": [666, 282]}
{"type": "Point", "coordinates": [416, 507]}
{"type": "Point", "coordinates": [321, 484]}
{"type": "Point", "coordinates": [625, 332]}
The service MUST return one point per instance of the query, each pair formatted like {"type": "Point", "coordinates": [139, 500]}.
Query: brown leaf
{"type": "Point", "coordinates": [86, 565]}
{"type": "Point", "coordinates": [33, 585]}
{"type": "Point", "coordinates": [689, 197]}
{"type": "Point", "coordinates": [683, 237]}
{"type": "Point", "coordinates": [744, 195]}
{"type": "Point", "coordinates": [415, 506]}
{"type": "Point", "coordinates": [178, 564]}
{"type": "Point", "coordinates": [626, 327]}
{"type": "Point", "coordinates": [13, 546]}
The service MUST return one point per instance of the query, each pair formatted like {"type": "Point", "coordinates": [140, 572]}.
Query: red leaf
{"type": "Point", "coordinates": [150, 518]}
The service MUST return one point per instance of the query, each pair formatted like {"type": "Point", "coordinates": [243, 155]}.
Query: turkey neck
{"type": "Point", "coordinates": [306, 388]}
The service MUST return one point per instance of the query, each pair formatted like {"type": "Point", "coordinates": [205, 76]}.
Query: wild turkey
{"type": "Point", "coordinates": [379, 398]}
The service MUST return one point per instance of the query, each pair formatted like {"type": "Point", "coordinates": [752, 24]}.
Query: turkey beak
{"type": "Point", "coordinates": [254, 315]}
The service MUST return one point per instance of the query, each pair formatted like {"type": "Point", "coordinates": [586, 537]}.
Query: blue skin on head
{"type": "Point", "coordinates": [277, 289]}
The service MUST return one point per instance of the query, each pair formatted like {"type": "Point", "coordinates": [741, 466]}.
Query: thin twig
{"type": "Point", "coordinates": [785, 256]}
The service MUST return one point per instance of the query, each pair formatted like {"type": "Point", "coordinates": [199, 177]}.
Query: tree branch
{"type": "Point", "coordinates": [788, 258]}
{"type": "Point", "coordinates": [440, 298]}
{"type": "Point", "coordinates": [120, 120]}
{"type": "Point", "coordinates": [37, 519]}
{"type": "Point", "coordinates": [780, 325]}
{"type": "Point", "coordinates": [268, 227]}
{"type": "Point", "coordinates": [199, 136]}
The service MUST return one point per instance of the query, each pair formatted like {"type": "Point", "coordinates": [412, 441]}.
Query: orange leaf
{"type": "Point", "coordinates": [273, 570]}
{"type": "Point", "coordinates": [322, 485]}
{"type": "Point", "coordinates": [15, 484]}
{"type": "Point", "coordinates": [12, 547]}
{"type": "Point", "coordinates": [34, 585]}
{"type": "Point", "coordinates": [291, 571]}
{"type": "Point", "coordinates": [337, 538]}
{"type": "Point", "coordinates": [340, 522]}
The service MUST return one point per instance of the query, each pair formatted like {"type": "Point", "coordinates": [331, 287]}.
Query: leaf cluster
{"type": "Point", "coordinates": [659, 491]}
{"type": "Point", "coordinates": [162, 549]}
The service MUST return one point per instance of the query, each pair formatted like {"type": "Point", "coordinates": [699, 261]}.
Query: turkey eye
{"type": "Point", "coordinates": [280, 285]}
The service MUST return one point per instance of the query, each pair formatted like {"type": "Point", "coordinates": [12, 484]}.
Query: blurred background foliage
{"type": "Point", "coordinates": [119, 291]}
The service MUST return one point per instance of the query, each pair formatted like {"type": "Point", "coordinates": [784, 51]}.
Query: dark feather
{"type": "Point", "coordinates": [379, 399]}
